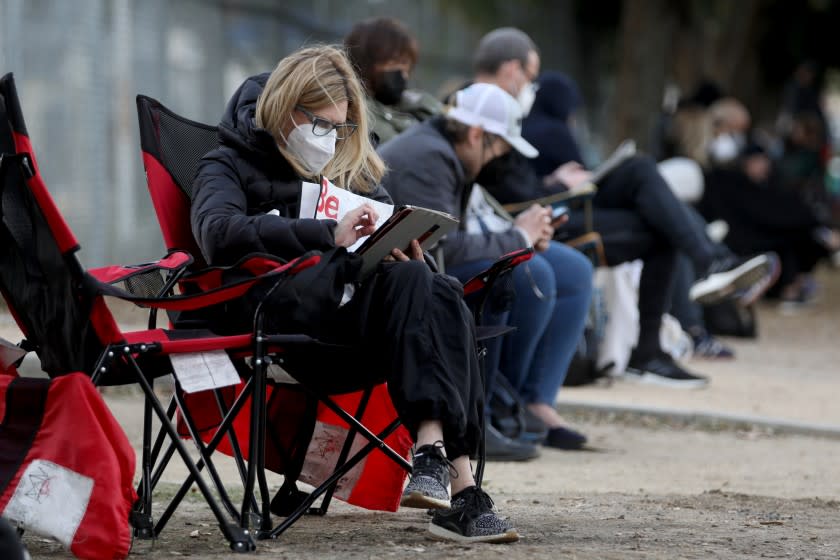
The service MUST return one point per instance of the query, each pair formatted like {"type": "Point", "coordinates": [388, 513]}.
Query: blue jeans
{"type": "Point", "coordinates": [552, 294]}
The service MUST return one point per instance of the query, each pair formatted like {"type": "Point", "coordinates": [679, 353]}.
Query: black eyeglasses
{"type": "Point", "coordinates": [322, 126]}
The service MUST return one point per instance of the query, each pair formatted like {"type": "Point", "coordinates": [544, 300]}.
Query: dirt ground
{"type": "Point", "coordinates": [646, 487]}
{"type": "Point", "coordinates": [653, 491]}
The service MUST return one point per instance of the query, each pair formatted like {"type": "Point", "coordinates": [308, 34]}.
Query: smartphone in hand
{"type": "Point", "coordinates": [558, 214]}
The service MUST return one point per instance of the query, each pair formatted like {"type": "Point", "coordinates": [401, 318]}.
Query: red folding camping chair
{"type": "Point", "coordinates": [60, 308]}
{"type": "Point", "coordinates": [172, 147]}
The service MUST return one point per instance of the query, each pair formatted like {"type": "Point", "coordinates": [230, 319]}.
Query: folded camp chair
{"type": "Point", "coordinates": [172, 147]}
{"type": "Point", "coordinates": [61, 310]}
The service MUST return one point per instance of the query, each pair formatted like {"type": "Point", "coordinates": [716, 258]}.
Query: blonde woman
{"type": "Point", "coordinates": [306, 119]}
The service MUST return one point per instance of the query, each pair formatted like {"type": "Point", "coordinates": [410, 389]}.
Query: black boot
{"type": "Point", "coordinates": [501, 448]}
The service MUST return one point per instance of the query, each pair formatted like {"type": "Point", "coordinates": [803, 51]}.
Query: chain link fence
{"type": "Point", "coordinates": [79, 64]}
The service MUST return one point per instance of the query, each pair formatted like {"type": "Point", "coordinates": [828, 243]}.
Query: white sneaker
{"type": "Point", "coordinates": [726, 277]}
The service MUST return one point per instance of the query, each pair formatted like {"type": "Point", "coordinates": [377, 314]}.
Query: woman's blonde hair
{"type": "Point", "coordinates": [314, 78]}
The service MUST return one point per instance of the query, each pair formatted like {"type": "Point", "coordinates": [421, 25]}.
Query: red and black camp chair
{"type": "Point", "coordinates": [61, 311]}
{"type": "Point", "coordinates": [172, 147]}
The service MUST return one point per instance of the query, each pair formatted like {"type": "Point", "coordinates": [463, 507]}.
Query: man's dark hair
{"type": "Point", "coordinates": [501, 45]}
{"type": "Point", "coordinates": [378, 40]}
{"type": "Point", "coordinates": [455, 131]}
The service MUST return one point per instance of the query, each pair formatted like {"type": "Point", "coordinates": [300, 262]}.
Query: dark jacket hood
{"type": "Point", "coordinates": [558, 96]}
{"type": "Point", "coordinates": [547, 125]}
{"type": "Point", "coordinates": [239, 129]}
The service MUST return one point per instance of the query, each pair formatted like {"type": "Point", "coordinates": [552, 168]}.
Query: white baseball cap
{"type": "Point", "coordinates": [494, 110]}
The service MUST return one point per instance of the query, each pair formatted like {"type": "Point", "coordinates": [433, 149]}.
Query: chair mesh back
{"type": "Point", "coordinates": [149, 284]}
{"type": "Point", "coordinates": [182, 145]}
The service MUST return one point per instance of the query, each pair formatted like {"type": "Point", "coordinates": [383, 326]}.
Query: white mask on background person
{"type": "Point", "coordinates": [314, 152]}
{"type": "Point", "coordinates": [723, 148]}
{"type": "Point", "coordinates": [526, 97]}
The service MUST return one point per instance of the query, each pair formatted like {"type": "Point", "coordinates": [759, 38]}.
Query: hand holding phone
{"type": "Point", "coordinates": [559, 215]}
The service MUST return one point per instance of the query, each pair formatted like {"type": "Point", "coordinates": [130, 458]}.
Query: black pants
{"type": "Point", "coordinates": [639, 217]}
{"type": "Point", "coordinates": [410, 327]}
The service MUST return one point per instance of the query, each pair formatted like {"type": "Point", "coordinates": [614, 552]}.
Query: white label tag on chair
{"type": "Point", "coordinates": [9, 353]}
{"type": "Point", "coordinates": [50, 500]}
{"type": "Point", "coordinates": [201, 371]}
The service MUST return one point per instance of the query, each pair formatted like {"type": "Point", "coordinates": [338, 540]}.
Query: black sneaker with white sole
{"type": "Point", "coordinates": [428, 486]}
{"type": "Point", "coordinates": [472, 519]}
{"type": "Point", "coordinates": [663, 371]}
{"type": "Point", "coordinates": [730, 276]}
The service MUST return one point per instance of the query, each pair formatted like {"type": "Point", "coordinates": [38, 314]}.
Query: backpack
{"type": "Point", "coordinates": [730, 319]}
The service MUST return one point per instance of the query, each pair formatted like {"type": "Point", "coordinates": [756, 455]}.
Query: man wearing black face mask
{"type": "Point", "coordinates": [384, 54]}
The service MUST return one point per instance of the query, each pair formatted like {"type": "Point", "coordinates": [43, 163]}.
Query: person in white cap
{"type": "Point", "coordinates": [433, 164]}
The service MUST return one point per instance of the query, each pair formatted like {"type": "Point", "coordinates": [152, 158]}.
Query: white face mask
{"type": "Point", "coordinates": [526, 98]}
{"type": "Point", "coordinates": [314, 152]}
{"type": "Point", "coordinates": [724, 148]}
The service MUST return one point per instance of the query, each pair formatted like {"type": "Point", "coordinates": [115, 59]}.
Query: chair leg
{"type": "Point", "coordinates": [205, 456]}
{"type": "Point", "coordinates": [161, 466]}
{"type": "Point", "coordinates": [482, 448]}
{"type": "Point", "coordinates": [265, 517]}
{"type": "Point", "coordinates": [161, 436]}
{"type": "Point", "coordinates": [239, 539]}
{"type": "Point", "coordinates": [256, 446]}
{"type": "Point", "coordinates": [211, 447]}
{"type": "Point", "coordinates": [145, 487]}
{"type": "Point", "coordinates": [234, 444]}
{"type": "Point", "coordinates": [141, 515]}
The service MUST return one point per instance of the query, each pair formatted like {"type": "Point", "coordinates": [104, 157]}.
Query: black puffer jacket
{"type": "Point", "coordinates": [238, 184]}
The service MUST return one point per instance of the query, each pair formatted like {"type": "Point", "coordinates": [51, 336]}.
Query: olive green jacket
{"type": "Point", "coordinates": [389, 120]}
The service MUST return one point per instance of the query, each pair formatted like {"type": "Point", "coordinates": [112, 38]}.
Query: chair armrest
{"type": "Point", "coordinates": [218, 294]}
{"type": "Point", "coordinates": [502, 265]}
{"type": "Point", "coordinates": [478, 288]}
{"type": "Point", "coordinates": [174, 261]}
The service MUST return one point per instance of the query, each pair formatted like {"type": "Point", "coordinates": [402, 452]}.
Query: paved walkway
{"type": "Point", "coordinates": [789, 375]}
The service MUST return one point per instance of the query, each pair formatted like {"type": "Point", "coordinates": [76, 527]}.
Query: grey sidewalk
{"type": "Point", "coordinates": [789, 377]}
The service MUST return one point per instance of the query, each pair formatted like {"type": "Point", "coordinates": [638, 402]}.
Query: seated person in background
{"type": "Point", "coordinates": [433, 164]}
{"type": "Point", "coordinates": [730, 124]}
{"type": "Point", "coordinates": [764, 216]}
{"type": "Point", "coordinates": [635, 212]}
{"type": "Point", "coordinates": [409, 325]}
{"type": "Point", "coordinates": [384, 53]}
{"type": "Point", "coordinates": [685, 131]}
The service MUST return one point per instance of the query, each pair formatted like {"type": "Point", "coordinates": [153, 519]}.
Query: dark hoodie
{"type": "Point", "coordinates": [239, 183]}
{"type": "Point", "coordinates": [546, 126]}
